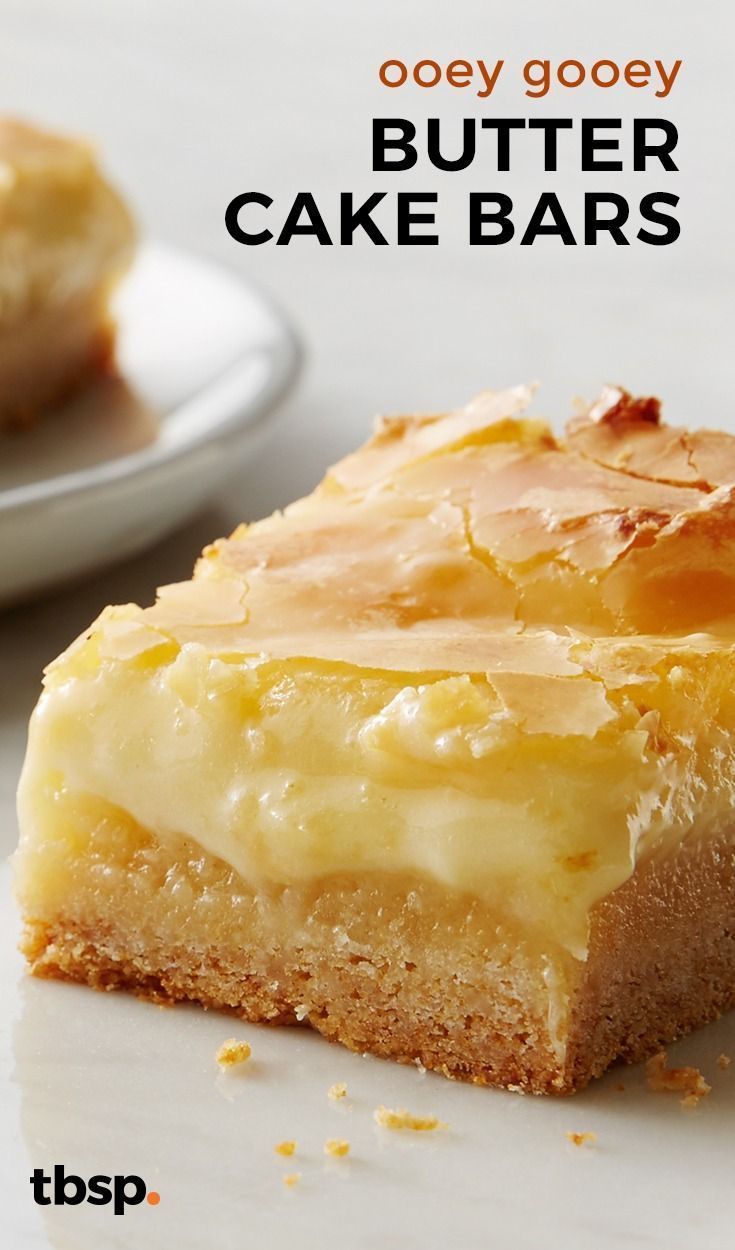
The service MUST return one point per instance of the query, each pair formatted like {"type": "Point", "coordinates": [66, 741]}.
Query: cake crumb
{"type": "Point", "coordinates": [581, 1139]}
{"type": "Point", "coordinates": [232, 1052]}
{"type": "Point", "coordinates": [401, 1118]}
{"type": "Point", "coordinates": [291, 1179]}
{"type": "Point", "coordinates": [686, 1081]}
{"type": "Point", "coordinates": [689, 1101]}
{"type": "Point", "coordinates": [285, 1147]}
{"type": "Point", "coordinates": [337, 1091]}
{"type": "Point", "coordinates": [336, 1147]}
{"type": "Point", "coordinates": [723, 1062]}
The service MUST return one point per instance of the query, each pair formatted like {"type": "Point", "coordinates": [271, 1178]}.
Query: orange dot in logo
{"type": "Point", "coordinates": [153, 1198]}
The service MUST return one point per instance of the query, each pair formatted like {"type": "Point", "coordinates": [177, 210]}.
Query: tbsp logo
{"type": "Point", "coordinates": [70, 1190]}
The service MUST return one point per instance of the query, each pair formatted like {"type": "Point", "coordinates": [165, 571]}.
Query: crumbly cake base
{"type": "Point", "coordinates": [408, 971]}
{"type": "Point", "coordinates": [380, 966]}
{"type": "Point", "coordinates": [661, 959]}
{"type": "Point", "coordinates": [47, 357]}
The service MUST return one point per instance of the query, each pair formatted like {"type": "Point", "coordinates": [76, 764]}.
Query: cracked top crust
{"type": "Point", "coordinates": [448, 535]}
{"type": "Point", "coordinates": [478, 542]}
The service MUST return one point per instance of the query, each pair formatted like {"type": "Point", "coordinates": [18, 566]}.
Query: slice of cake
{"type": "Point", "coordinates": [440, 760]}
{"type": "Point", "coordinates": [65, 239]}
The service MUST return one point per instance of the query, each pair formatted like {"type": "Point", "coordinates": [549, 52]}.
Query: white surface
{"type": "Point", "coordinates": [202, 361]}
{"type": "Point", "coordinates": [104, 1083]}
{"type": "Point", "coordinates": [193, 103]}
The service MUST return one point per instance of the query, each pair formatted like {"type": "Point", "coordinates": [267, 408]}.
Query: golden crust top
{"type": "Point", "coordinates": [477, 542]}
{"type": "Point", "coordinates": [486, 520]}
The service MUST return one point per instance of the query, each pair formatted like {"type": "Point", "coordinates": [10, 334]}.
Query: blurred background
{"type": "Point", "coordinates": [191, 104]}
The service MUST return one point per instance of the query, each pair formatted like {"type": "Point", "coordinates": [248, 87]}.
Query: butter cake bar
{"type": "Point", "coordinates": [65, 239]}
{"type": "Point", "coordinates": [439, 761]}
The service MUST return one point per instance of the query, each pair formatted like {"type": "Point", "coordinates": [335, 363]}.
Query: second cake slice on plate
{"type": "Point", "coordinates": [66, 237]}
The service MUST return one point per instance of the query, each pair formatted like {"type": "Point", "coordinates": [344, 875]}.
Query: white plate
{"type": "Point", "coordinates": [203, 358]}
{"type": "Point", "coordinates": [106, 1084]}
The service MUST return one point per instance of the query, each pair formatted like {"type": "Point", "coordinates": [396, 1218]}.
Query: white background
{"type": "Point", "coordinates": [193, 103]}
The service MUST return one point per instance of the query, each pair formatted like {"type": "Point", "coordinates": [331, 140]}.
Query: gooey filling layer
{"type": "Point", "coordinates": [294, 771]}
